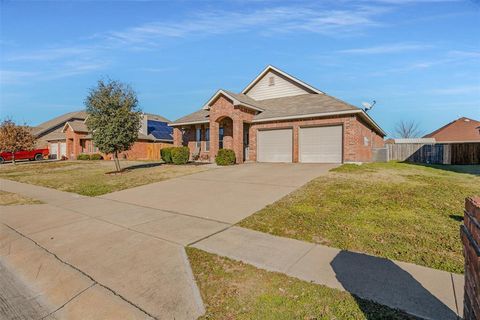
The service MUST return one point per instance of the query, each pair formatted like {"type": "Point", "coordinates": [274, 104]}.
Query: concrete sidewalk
{"type": "Point", "coordinates": [137, 252]}
{"type": "Point", "coordinates": [423, 292]}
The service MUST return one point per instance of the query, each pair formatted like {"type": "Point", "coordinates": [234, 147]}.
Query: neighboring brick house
{"type": "Point", "coordinates": [461, 130]}
{"type": "Point", "coordinates": [49, 134]}
{"type": "Point", "coordinates": [278, 118]}
{"type": "Point", "coordinates": [67, 136]}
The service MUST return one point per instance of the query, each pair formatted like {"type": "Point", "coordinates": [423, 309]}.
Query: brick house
{"type": "Point", "coordinates": [462, 130]}
{"type": "Point", "coordinates": [279, 118]}
{"type": "Point", "coordinates": [67, 136]}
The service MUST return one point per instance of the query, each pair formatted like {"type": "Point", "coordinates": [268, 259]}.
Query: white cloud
{"type": "Point", "coordinates": [387, 48]}
{"type": "Point", "coordinates": [265, 21]}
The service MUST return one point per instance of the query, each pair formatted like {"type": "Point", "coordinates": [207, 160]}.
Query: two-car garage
{"type": "Point", "coordinates": [322, 144]}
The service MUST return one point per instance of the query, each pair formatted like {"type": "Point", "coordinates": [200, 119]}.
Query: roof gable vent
{"type": "Point", "coordinates": [271, 81]}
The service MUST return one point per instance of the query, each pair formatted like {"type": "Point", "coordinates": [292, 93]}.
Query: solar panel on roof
{"type": "Point", "coordinates": [159, 130]}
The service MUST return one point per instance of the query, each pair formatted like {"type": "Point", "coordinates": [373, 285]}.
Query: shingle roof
{"type": "Point", "coordinates": [78, 125]}
{"type": "Point", "coordinates": [60, 120]}
{"type": "Point", "coordinates": [200, 115]}
{"type": "Point", "coordinates": [299, 105]}
{"type": "Point", "coordinates": [156, 117]}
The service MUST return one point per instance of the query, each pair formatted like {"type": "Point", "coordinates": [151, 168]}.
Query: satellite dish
{"type": "Point", "coordinates": [368, 106]}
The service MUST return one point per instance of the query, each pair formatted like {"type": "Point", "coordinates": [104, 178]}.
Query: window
{"type": "Point", "coordinates": [220, 138]}
{"type": "Point", "coordinates": [198, 139]}
{"type": "Point", "coordinates": [271, 81]}
{"type": "Point", "coordinates": [207, 139]}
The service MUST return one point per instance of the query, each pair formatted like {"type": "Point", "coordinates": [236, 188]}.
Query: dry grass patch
{"type": "Point", "coordinates": [234, 290]}
{"type": "Point", "coordinates": [89, 177]}
{"type": "Point", "coordinates": [12, 199]}
{"type": "Point", "coordinates": [395, 210]}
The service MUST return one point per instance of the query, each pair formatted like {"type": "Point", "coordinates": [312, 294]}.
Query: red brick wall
{"type": "Point", "coordinates": [355, 147]}
{"type": "Point", "coordinates": [470, 234]}
{"type": "Point", "coordinates": [220, 109]}
{"type": "Point", "coordinates": [354, 132]}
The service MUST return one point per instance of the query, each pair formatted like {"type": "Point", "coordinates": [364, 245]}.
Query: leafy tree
{"type": "Point", "coordinates": [407, 129]}
{"type": "Point", "coordinates": [113, 117]}
{"type": "Point", "coordinates": [14, 138]}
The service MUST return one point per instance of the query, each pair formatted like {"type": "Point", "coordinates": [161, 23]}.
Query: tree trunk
{"type": "Point", "coordinates": [13, 157]}
{"type": "Point", "coordinates": [117, 162]}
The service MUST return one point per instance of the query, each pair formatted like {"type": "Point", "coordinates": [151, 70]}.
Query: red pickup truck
{"type": "Point", "coordinates": [37, 154]}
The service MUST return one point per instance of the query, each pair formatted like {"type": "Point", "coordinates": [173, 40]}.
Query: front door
{"type": "Point", "coordinates": [246, 142]}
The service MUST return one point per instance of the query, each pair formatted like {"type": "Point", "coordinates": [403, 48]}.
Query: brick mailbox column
{"type": "Point", "coordinates": [470, 233]}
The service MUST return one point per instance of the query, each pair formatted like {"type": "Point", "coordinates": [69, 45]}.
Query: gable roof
{"type": "Point", "coordinates": [461, 130]}
{"type": "Point", "coordinates": [237, 99]}
{"type": "Point", "coordinates": [284, 74]}
{"type": "Point", "coordinates": [307, 105]}
{"type": "Point", "coordinates": [76, 125]}
{"type": "Point", "coordinates": [46, 126]}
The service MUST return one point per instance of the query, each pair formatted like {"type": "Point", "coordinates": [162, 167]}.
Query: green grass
{"type": "Point", "coordinates": [234, 290]}
{"type": "Point", "coordinates": [399, 211]}
{"type": "Point", "coordinates": [13, 199]}
{"type": "Point", "coordinates": [89, 178]}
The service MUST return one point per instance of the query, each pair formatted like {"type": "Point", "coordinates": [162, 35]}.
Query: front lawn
{"type": "Point", "coordinates": [89, 178]}
{"type": "Point", "coordinates": [395, 210]}
{"type": "Point", "coordinates": [13, 199]}
{"type": "Point", "coordinates": [234, 290]}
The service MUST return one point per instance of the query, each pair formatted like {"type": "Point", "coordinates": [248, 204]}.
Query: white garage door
{"type": "Point", "coordinates": [274, 145]}
{"type": "Point", "coordinates": [53, 150]}
{"type": "Point", "coordinates": [321, 144]}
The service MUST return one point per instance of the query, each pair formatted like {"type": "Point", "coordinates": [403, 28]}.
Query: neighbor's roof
{"type": "Point", "coordinates": [77, 125]}
{"type": "Point", "coordinates": [460, 130]}
{"type": "Point", "coordinates": [156, 117]}
{"type": "Point", "coordinates": [60, 120]}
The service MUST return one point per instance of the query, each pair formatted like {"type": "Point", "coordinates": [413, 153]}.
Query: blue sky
{"type": "Point", "coordinates": [419, 59]}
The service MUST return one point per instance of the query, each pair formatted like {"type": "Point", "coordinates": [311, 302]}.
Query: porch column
{"type": "Point", "coordinates": [238, 140]}
{"type": "Point", "coordinates": [177, 137]}
{"type": "Point", "coordinates": [214, 129]}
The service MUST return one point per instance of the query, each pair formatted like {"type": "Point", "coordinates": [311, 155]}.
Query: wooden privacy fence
{"type": "Point", "coordinates": [153, 150]}
{"type": "Point", "coordinates": [439, 153]}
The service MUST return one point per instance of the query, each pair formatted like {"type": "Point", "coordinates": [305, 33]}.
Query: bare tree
{"type": "Point", "coordinates": [14, 138]}
{"type": "Point", "coordinates": [407, 129]}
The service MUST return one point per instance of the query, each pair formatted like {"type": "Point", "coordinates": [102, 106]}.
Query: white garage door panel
{"type": "Point", "coordinates": [275, 145]}
{"type": "Point", "coordinates": [321, 144]}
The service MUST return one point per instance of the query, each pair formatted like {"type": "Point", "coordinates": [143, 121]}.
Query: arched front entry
{"type": "Point", "coordinates": [227, 133]}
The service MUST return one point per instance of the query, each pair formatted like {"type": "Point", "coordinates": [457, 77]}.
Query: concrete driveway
{"type": "Point", "coordinates": [123, 253]}
{"type": "Point", "coordinates": [225, 195]}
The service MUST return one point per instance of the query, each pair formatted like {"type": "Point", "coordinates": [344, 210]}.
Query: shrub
{"type": "Point", "coordinates": [96, 156]}
{"type": "Point", "coordinates": [225, 157]}
{"type": "Point", "coordinates": [166, 154]}
{"type": "Point", "coordinates": [83, 156]}
{"type": "Point", "coordinates": [180, 155]}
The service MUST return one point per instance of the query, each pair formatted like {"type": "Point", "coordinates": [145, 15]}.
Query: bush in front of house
{"type": "Point", "coordinates": [83, 156]}
{"type": "Point", "coordinates": [96, 156]}
{"type": "Point", "coordinates": [180, 155]}
{"type": "Point", "coordinates": [166, 154]}
{"type": "Point", "coordinates": [225, 157]}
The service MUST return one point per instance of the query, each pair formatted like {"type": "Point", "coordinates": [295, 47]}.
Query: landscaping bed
{"type": "Point", "coordinates": [234, 290]}
{"type": "Point", "coordinates": [89, 177]}
{"type": "Point", "coordinates": [395, 210]}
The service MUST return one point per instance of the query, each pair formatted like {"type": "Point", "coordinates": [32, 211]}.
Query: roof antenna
{"type": "Point", "coordinates": [368, 106]}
